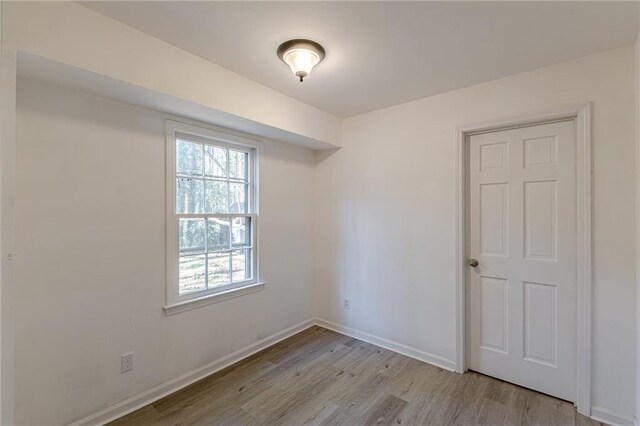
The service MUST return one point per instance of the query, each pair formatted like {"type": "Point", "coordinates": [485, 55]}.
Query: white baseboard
{"type": "Point", "coordinates": [610, 417]}
{"type": "Point", "coordinates": [138, 401]}
{"type": "Point", "coordinates": [436, 360]}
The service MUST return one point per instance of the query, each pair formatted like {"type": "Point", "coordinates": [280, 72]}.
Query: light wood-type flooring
{"type": "Point", "coordinates": [319, 377]}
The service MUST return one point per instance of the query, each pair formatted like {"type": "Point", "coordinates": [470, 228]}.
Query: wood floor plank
{"type": "Point", "coordinates": [328, 408]}
{"type": "Point", "coordinates": [386, 411]}
{"type": "Point", "coordinates": [319, 377]}
{"type": "Point", "coordinates": [296, 388]}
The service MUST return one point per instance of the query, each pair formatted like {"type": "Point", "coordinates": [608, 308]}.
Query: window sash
{"type": "Point", "coordinates": [205, 249]}
{"type": "Point", "coordinates": [212, 287]}
{"type": "Point", "coordinates": [249, 248]}
{"type": "Point", "coordinates": [228, 194]}
{"type": "Point", "coordinates": [227, 179]}
{"type": "Point", "coordinates": [205, 137]}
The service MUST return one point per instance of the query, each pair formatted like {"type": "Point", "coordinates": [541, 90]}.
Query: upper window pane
{"type": "Point", "coordinates": [237, 198]}
{"type": "Point", "coordinates": [215, 163]}
{"type": "Point", "coordinates": [189, 195]}
{"type": "Point", "coordinates": [216, 196]}
{"type": "Point", "coordinates": [238, 164]}
{"type": "Point", "coordinates": [189, 158]}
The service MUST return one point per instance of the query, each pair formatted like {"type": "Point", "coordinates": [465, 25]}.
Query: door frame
{"type": "Point", "coordinates": [582, 116]}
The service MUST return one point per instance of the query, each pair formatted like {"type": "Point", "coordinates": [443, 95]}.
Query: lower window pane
{"type": "Point", "coordinates": [191, 274]}
{"type": "Point", "coordinates": [241, 265]}
{"type": "Point", "coordinates": [241, 231]}
{"type": "Point", "coordinates": [218, 230]}
{"type": "Point", "coordinates": [218, 269]}
{"type": "Point", "coordinates": [191, 235]}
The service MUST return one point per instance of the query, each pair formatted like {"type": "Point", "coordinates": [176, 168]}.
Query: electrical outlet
{"type": "Point", "coordinates": [126, 362]}
{"type": "Point", "coordinates": [346, 303]}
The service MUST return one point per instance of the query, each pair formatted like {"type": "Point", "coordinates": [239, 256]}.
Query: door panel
{"type": "Point", "coordinates": [540, 323]}
{"type": "Point", "coordinates": [494, 224]}
{"type": "Point", "coordinates": [493, 305]}
{"type": "Point", "coordinates": [522, 231]}
{"type": "Point", "coordinates": [540, 212]}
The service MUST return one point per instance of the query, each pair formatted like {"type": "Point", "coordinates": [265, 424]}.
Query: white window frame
{"type": "Point", "coordinates": [176, 302]}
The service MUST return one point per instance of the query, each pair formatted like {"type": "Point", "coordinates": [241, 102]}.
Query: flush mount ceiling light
{"type": "Point", "coordinates": [301, 55]}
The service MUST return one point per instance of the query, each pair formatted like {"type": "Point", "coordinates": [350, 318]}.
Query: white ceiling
{"type": "Point", "coordinates": [383, 53]}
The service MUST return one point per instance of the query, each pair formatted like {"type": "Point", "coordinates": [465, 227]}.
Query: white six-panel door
{"type": "Point", "coordinates": [522, 231]}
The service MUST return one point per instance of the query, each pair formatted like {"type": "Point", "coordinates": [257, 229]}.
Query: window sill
{"type": "Point", "coordinates": [209, 299]}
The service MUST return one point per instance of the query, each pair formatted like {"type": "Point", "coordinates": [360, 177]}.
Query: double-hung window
{"type": "Point", "coordinates": [211, 213]}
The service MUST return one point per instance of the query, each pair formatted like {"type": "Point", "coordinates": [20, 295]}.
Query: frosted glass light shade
{"type": "Point", "coordinates": [301, 56]}
{"type": "Point", "coordinates": [301, 61]}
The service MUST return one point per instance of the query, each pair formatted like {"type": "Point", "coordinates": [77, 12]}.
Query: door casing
{"type": "Point", "coordinates": [581, 115]}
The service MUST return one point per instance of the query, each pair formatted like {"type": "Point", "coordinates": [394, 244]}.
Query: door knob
{"type": "Point", "coordinates": [473, 263]}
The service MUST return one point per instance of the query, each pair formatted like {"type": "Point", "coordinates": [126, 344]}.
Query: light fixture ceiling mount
{"type": "Point", "coordinates": [301, 55]}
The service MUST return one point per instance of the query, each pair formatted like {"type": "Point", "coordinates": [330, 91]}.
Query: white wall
{"type": "Point", "coordinates": [637, 72]}
{"type": "Point", "coordinates": [72, 34]}
{"type": "Point", "coordinates": [4, 400]}
{"type": "Point", "coordinates": [90, 281]}
{"type": "Point", "coordinates": [7, 165]}
{"type": "Point", "coordinates": [385, 213]}
{"type": "Point", "coordinates": [74, 319]}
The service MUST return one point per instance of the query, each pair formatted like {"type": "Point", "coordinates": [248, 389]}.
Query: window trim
{"type": "Point", "coordinates": [174, 302]}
